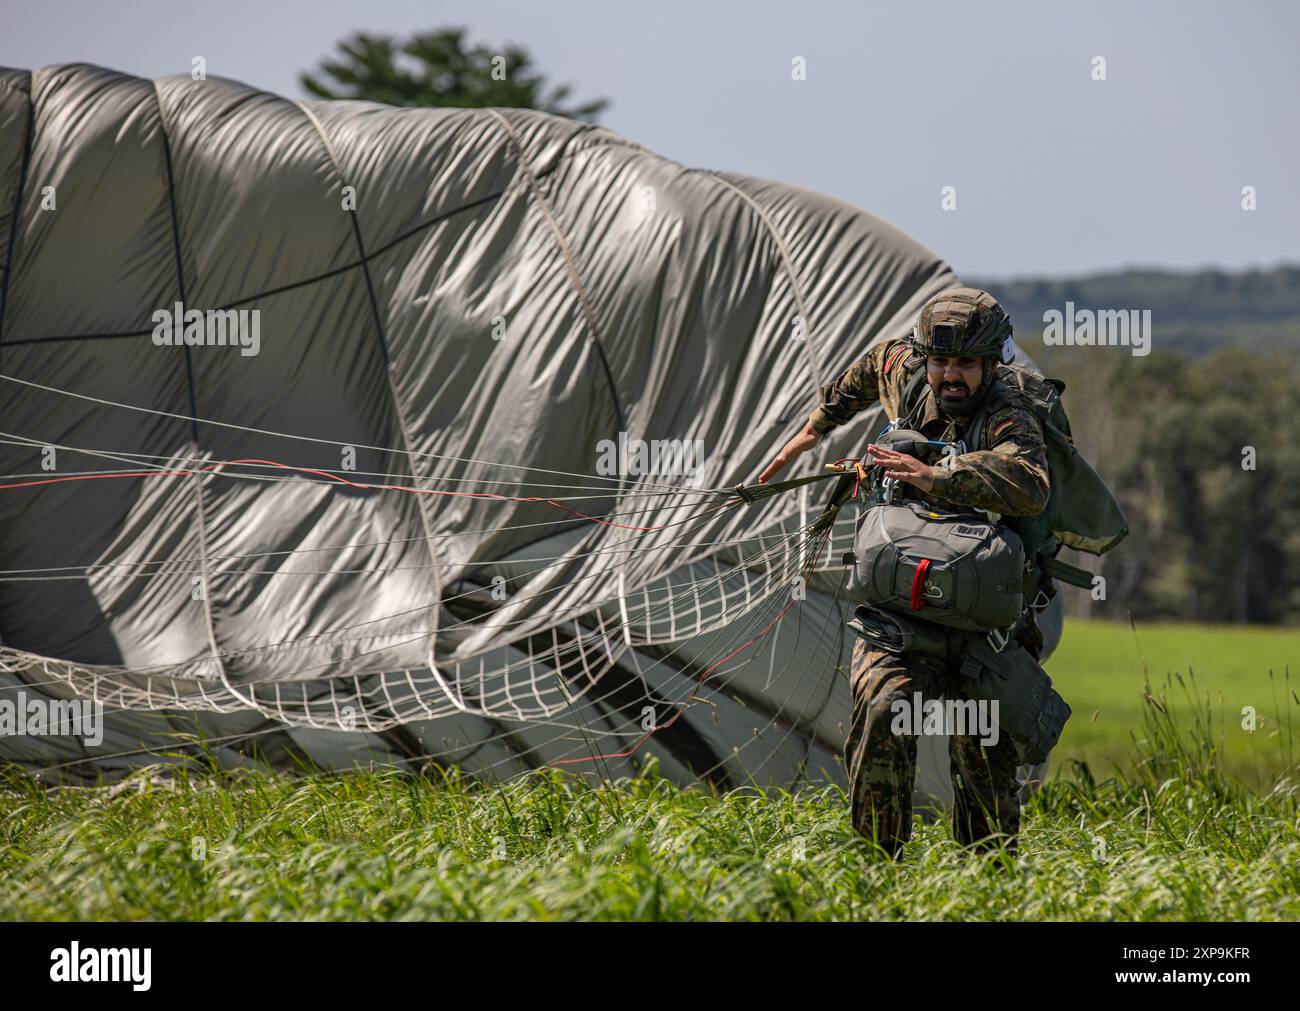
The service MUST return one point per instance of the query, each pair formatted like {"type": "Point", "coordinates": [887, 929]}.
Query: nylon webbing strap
{"type": "Point", "coordinates": [909, 404]}
{"type": "Point", "coordinates": [758, 492]}
{"type": "Point", "coordinates": [1066, 572]}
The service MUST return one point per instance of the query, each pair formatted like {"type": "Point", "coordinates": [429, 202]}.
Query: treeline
{"type": "Point", "coordinates": [1204, 454]}
{"type": "Point", "coordinates": [1192, 313]}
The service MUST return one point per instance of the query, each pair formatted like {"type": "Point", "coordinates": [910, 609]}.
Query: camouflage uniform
{"type": "Point", "coordinates": [882, 764]}
{"type": "Point", "coordinates": [1008, 477]}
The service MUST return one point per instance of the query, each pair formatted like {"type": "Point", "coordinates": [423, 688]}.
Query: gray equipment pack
{"type": "Point", "coordinates": [1029, 708]}
{"type": "Point", "coordinates": [954, 569]}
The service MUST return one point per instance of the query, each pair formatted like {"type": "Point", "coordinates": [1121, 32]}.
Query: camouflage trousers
{"type": "Point", "coordinates": [882, 763]}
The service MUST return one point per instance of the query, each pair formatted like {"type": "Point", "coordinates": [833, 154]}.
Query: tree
{"type": "Point", "coordinates": [438, 69]}
{"type": "Point", "coordinates": [1204, 454]}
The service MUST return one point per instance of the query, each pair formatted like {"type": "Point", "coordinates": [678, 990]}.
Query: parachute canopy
{"type": "Point", "coordinates": [349, 420]}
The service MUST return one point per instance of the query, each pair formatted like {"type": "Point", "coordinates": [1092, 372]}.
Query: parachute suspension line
{"type": "Point", "coordinates": [280, 710]}
{"type": "Point", "coordinates": [336, 641]}
{"type": "Point", "coordinates": [170, 747]}
{"type": "Point", "coordinates": [704, 675]}
{"type": "Point", "coordinates": [39, 478]}
{"type": "Point", "coordinates": [815, 657]}
{"type": "Point", "coordinates": [601, 758]}
{"type": "Point", "coordinates": [303, 642]}
{"type": "Point", "coordinates": [750, 493]}
{"type": "Point", "coordinates": [622, 606]}
{"type": "Point", "coordinates": [161, 471]}
{"type": "Point", "coordinates": [672, 615]}
{"type": "Point", "coordinates": [722, 587]}
{"type": "Point", "coordinates": [76, 572]}
{"type": "Point", "coordinates": [499, 735]}
{"type": "Point", "coordinates": [326, 442]}
{"type": "Point", "coordinates": [592, 680]}
{"type": "Point", "coordinates": [803, 523]}
{"type": "Point", "coordinates": [395, 401]}
{"type": "Point", "coordinates": [805, 661]}
{"type": "Point", "coordinates": [385, 685]}
{"type": "Point", "coordinates": [580, 649]}
{"type": "Point", "coordinates": [126, 456]}
{"type": "Point", "coordinates": [599, 636]}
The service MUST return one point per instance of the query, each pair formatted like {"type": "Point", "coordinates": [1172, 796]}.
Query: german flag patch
{"type": "Point", "coordinates": [894, 356]}
{"type": "Point", "coordinates": [1000, 428]}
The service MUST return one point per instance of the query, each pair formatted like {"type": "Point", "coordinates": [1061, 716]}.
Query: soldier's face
{"type": "Point", "coordinates": [954, 379]}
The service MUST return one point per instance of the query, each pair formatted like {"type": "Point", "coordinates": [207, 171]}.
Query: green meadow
{"type": "Point", "coordinates": [1211, 674]}
{"type": "Point", "coordinates": [1159, 808]}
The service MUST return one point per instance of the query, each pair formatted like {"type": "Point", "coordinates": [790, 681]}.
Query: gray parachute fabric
{"type": "Point", "coordinates": [392, 533]}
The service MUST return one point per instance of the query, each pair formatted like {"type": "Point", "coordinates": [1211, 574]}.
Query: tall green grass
{"type": "Point", "coordinates": [1101, 668]}
{"type": "Point", "coordinates": [1173, 836]}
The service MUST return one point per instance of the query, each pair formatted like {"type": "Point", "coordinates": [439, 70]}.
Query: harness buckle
{"type": "Point", "coordinates": [999, 638]}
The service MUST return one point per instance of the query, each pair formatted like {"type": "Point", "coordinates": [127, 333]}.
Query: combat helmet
{"type": "Point", "coordinates": [963, 322]}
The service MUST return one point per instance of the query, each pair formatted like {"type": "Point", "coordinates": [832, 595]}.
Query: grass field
{"type": "Point", "coordinates": [1099, 668]}
{"type": "Point", "coordinates": [1174, 831]}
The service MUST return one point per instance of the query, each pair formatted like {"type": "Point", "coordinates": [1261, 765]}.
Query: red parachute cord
{"type": "Point", "coordinates": [821, 543]}
{"type": "Point", "coordinates": [215, 468]}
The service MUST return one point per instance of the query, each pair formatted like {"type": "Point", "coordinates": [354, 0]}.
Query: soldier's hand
{"type": "Point", "coordinates": [905, 468]}
{"type": "Point", "coordinates": [796, 447]}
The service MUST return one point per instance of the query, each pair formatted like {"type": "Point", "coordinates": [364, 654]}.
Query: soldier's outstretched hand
{"type": "Point", "coordinates": [905, 468]}
{"type": "Point", "coordinates": [796, 447]}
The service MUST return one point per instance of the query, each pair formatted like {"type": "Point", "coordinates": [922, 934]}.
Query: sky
{"type": "Point", "coordinates": [1053, 172]}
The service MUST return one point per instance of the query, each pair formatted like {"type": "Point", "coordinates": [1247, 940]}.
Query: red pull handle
{"type": "Point", "coordinates": [918, 584]}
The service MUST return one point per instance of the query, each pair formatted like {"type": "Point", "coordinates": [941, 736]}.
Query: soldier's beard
{"type": "Point", "coordinates": [966, 400]}
{"type": "Point", "coordinates": [957, 406]}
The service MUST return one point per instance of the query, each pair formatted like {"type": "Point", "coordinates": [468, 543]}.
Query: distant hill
{"type": "Point", "coordinates": [1192, 313]}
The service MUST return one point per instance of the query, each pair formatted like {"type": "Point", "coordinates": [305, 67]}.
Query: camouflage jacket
{"type": "Point", "coordinates": [1007, 476]}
